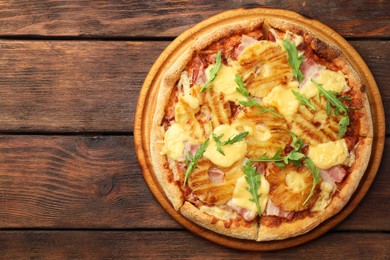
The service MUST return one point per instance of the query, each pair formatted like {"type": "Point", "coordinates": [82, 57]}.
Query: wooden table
{"type": "Point", "coordinates": [70, 75]}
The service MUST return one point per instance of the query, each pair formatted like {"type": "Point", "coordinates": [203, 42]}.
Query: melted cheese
{"type": "Point", "coordinates": [327, 155]}
{"type": "Point", "coordinates": [295, 182]}
{"type": "Point", "coordinates": [193, 102]}
{"type": "Point", "coordinates": [233, 152]}
{"type": "Point", "coordinates": [284, 100]}
{"type": "Point", "coordinates": [184, 82]}
{"type": "Point", "coordinates": [330, 80]}
{"type": "Point", "coordinates": [260, 132]}
{"type": "Point", "coordinates": [294, 38]}
{"type": "Point", "coordinates": [218, 212]}
{"type": "Point", "coordinates": [324, 198]}
{"type": "Point", "coordinates": [243, 198]}
{"type": "Point", "coordinates": [224, 83]}
{"type": "Point", "coordinates": [175, 137]}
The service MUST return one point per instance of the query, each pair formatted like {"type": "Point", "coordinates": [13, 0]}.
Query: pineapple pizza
{"type": "Point", "coordinates": [262, 131]}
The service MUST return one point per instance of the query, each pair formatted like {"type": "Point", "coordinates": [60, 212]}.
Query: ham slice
{"type": "Point", "coordinates": [337, 173]}
{"type": "Point", "coordinates": [245, 42]}
{"type": "Point", "coordinates": [326, 177]}
{"type": "Point", "coordinates": [333, 175]}
{"type": "Point", "coordinates": [247, 214]}
{"type": "Point", "coordinates": [260, 167]}
{"type": "Point", "coordinates": [310, 69]}
{"type": "Point", "coordinates": [216, 175]}
{"type": "Point", "coordinates": [273, 210]}
{"type": "Point", "coordinates": [198, 76]}
{"type": "Point", "coordinates": [189, 148]}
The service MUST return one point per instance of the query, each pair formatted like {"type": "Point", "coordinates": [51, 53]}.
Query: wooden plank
{"type": "Point", "coordinates": [72, 86]}
{"type": "Point", "coordinates": [166, 18]}
{"type": "Point", "coordinates": [96, 84]}
{"type": "Point", "coordinates": [374, 56]}
{"type": "Point", "coordinates": [95, 182]}
{"type": "Point", "coordinates": [178, 245]}
{"type": "Point", "coordinates": [72, 182]}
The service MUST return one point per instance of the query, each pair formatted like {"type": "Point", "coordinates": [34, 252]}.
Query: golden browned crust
{"type": "Point", "coordinates": [288, 229]}
{"type": "Point", "coordinates": [238, 229]}
{"type": "Point", "coordinates": [162, 171]}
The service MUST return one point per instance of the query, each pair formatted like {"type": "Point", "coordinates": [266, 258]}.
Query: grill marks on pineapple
{"type": "Point", "coordinates": [258, 145]}
{"type": "Point", "coordinates": [290, 187]}
{"type": "Point", "coordinates": [184, 115]}
{"type": "Point", "coordinates": [209, 192]}
{"type": "Point", "coordinates": [219, 109]}
{"type": "Point", "coordinates": [213, 108]}
{"type": "Point", "coordinates": [264, 65]}
{"type": "Point", "coordinates": [315, 126]}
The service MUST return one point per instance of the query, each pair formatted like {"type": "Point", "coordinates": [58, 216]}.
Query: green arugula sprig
{"type": "Point", "coordinates": [316, 177]}
{"type": "Point", "coordinates": [339, 107]}
{"type": "Point", "coordinates": [213, 72]}
{"type": "Point", "coordinates": [293, 157]}
{"type": "Point", "coordinates": [297, 142]}
{"type": "Point", "coordinates": [231, 140]}
{"type": "Point", "coordinates": [254, 181]}
{"type": "Point", "coordinates": [304, 100]}
{"type": "Point", "coordinates": [192, 160]}
{"type": "Point", "coordinates": [294, 59]}
{"type": "Point", "coordinates": [251, 101]}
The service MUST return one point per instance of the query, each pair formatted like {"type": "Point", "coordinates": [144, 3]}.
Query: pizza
{"type": "Point", "coordinates": [262, 130]}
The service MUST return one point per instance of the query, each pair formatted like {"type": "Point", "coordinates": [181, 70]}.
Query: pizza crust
{"type": "Point", "coordinates": [237, 229]}
{"type": "Point", "coordinates": [162, 172]}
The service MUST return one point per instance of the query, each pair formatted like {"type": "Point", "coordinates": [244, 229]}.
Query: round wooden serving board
{"type": "Point", "coordinates": [147, 104]}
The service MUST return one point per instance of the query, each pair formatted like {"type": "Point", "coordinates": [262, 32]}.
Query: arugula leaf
{"type": "Point", "coordinates": [264, 158]}
{"type": "Point", "coordinates": [251, 101]}
{"type": "Point", "coordinates": [236, 138]}
{"type": "Point", "coordinates": [304, 100]}
{"type": "Point", "coordinates": [293, 59]}
{"type": "Point", "coordinates": [316, 177]}
{"type": "Point", "coordinates": [339, 107]}
{"type": "Point", "coordinates": [297, 142]}
{"type": "Point", "coordinates": [192, 160]}
{"type": "Point", "coordinates": [213, 72]}
{"type": "Point", "coordinates": [293, 157]}
{"type": "Point", "coordinates": [254, 181]}
{"type": "Point", "coordinates": [217, 140]}
{"type": "Point", "coordinates": [231, 140]}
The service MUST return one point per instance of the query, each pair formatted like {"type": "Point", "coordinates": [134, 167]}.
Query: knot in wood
{"type": "Point", "coordinates": [105, 186]}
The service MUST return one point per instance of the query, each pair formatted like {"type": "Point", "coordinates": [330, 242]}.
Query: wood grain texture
{"type": "Point", "coordinates": [170, 18]}
{"type": "Point", "coordinates": [178, 245]}
{"type": "Point", "coordinates": [95, 86]}
{"type": "Point", "coordinates": [74, 182]}
{"type": "Point", "coordinates": [72, 86]}
{"type": "Point", "coordinates": [95, 182]}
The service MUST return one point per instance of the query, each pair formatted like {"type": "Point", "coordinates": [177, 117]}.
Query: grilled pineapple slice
{"type": "Point", "coordinates": [290, 187]}
{"type": "Point", "coordinates": [263, 66]}
{"type": "Point", "coordinates": [217, 107]}
{"type": "Point", "coordinates": [315, 126]}
{"type": "Point", "coordinates": [185, 117]}
{"type": "Point", "coordinates": [267, 133]}
{"type": "Point", "coordinates": [210, 191]}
